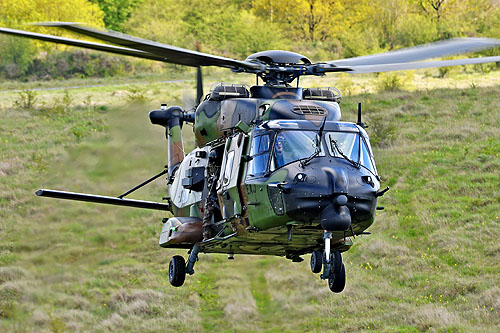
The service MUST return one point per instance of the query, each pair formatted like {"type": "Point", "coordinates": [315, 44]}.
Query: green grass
{"type": "Point", "coordinates": [432, 262]}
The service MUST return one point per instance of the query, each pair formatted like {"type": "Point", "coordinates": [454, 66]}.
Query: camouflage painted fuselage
{"type": "Point", "coordinates": [267, 208]}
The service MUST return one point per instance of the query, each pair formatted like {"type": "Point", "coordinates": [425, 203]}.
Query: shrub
{"type": "Point", "coordinates": [26, 100]}
{"type": "Point", "coordinates": [136, 95]}
{"type": "Point", "coordinates": [63, 104]}
{"type": "Point", "coordinates": [393, 81]}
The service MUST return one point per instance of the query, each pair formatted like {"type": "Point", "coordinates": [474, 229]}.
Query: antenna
{"type": "Point", "coordinates": [359, 122]}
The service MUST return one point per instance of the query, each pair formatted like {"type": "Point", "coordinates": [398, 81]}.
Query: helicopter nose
{"type": "Point", "coordinates": [336, 216]}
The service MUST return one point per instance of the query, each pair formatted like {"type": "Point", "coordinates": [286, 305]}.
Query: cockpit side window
{"type": "Point", "coordinates": [260, 144]}
{"type": "Point", "coordinates": [259, 152]}
{"type": "Point", "coordinates": [347, 142]}
{"type": "Point", "coordinates": [366, 158]}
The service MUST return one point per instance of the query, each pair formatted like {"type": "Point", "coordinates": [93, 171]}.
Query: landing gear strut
{"type": "Point", "coordinates": [333, 268]}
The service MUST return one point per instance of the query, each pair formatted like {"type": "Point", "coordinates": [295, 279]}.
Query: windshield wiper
{"type": "Point", "coordinates": [334, 144]}
{"type": "Point", "coordinates": [308, 160]}
{"type": "Point", "coordinates": [319, 136]}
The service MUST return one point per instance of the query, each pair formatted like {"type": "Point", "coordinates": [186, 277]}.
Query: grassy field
{"type": "Point", "coordinates": [432, 262]}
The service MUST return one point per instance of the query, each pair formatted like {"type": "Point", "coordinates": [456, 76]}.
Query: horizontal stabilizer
{"type": "Point", "coordinates": [102, 199]}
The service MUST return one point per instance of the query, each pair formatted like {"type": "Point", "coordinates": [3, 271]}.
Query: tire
{"type": "Point", "coordinates": [316, 261]}
{"type": "Point", "coordinates": [337, 262]}
{"type": "Point", "coordinates": [177, 271]}
{"type": "Point", "coordinates": [336, 282]}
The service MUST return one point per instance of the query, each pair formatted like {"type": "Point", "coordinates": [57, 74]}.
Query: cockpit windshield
{"type": "Point", "coordinates": [291, 146]}
{"type": "Point", "coordinates": [352, 147]}
{"type": "Point", "coordinates": [273, 149]}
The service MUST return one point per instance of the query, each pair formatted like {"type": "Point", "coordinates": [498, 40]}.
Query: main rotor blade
{"type": "Point", "coordinates": [199, 85]}
{"type": "Point", "coordinates": [171, 54]}
{"type": "Point", "coordinates": [417, 53]}
{"type": "Point", "coordinates": [80, 43]}
{"type": "Point", "coordinates": [418, 65]}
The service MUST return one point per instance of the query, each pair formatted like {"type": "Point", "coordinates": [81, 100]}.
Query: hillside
{"type": "Point", "coordinates": [431, 263]}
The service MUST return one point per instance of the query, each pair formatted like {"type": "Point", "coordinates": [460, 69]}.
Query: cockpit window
{"type": "Point", "coordinates": [291, 146]}
{"type": "Point", "coordinates": [288, 146]}
{"type": "Point", "coordinates": [347, 142]}
{"type": "Point", "coordinates": [260, 144]}
{"type": "Point", "coordinates": [352, 146]}
{"type": "Point", "coordinates": [259, 152]}
{"type": "Point", "coordinates": [366, 159]}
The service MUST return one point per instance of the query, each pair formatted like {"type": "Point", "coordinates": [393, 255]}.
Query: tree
{"type": "Point", "coordinates": [314, 20]}
{"type": "Point", "coordinates": [116, 12]}
{"type": "Point", "coordinates": [28, 11]}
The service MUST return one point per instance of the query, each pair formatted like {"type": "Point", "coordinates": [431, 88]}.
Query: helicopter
{"type": "Point", "coordinates": [275, 170]}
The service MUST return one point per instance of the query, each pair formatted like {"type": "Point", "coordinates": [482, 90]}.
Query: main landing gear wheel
{"type": "Point", "coordinates": [177, 271]}
{"type": "Point", "coordinates": [336, 282]}
{"type": "Point", "coordinates": [316, 261]}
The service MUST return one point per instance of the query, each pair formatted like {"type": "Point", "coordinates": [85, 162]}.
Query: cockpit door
{"type": "Point", "coordinates": [227, 189]}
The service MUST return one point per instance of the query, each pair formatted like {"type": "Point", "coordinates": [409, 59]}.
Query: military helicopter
{"type": "Point", "coordinates": [275, 170]}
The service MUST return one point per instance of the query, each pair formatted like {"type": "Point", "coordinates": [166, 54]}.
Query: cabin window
{"type": "Point", "coordinates": [229, 167]}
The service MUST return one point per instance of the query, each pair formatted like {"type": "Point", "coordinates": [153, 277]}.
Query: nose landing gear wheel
{"type": "Point", "coordinates": [177, 271]}
{"type": "Point", "coordinates": [337, 262]}
{"type": "Point", "coordinates": [316, 261]}
{"type": "Point", "coordinates": [336, 282]}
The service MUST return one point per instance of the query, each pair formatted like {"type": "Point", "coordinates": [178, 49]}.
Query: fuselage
{"type": "Point", "coordinates": [287, 169]}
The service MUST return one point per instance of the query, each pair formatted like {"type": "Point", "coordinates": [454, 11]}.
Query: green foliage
{"type": "Point", "coordinates": [27, 11]}
{"type": "Point", "coordinates": [57, 325]}
{"type": "Point", "coordinates": [116, 12]}
{"type": "Point", "coordinates": [16, 56]}
{"type": "Point", "coordinates": [66, 64]}
{"type": "Point", "coordinates": [26, 100]}
{"type": "Point", "coordinates": [383, 130]}
{"type": "Point", "coordinates": [137, 95]}
{"type": "Point", "coordinates": [320, 29]}
{"type": "Point", "coordinates": [61, 104]}
{"type": "Point", "coordinates": [390, 81]}
{"type": "Point", "coordinates": [216, 26]}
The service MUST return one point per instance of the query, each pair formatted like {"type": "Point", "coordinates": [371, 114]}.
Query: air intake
{"type": "Point", "coordinates": [309, 110]}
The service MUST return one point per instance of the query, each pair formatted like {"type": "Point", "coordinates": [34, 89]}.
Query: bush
{"type": "Point", "coordinates": [393, 81]}
{"type": "Point", "coordinates": [66, 64]}
{"type": "Point", "coordinates": [26, 100]}
{"type": "Point", "coordinates": [136, 95]}
{"type": "Point", "coordinates": [63, 104]}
